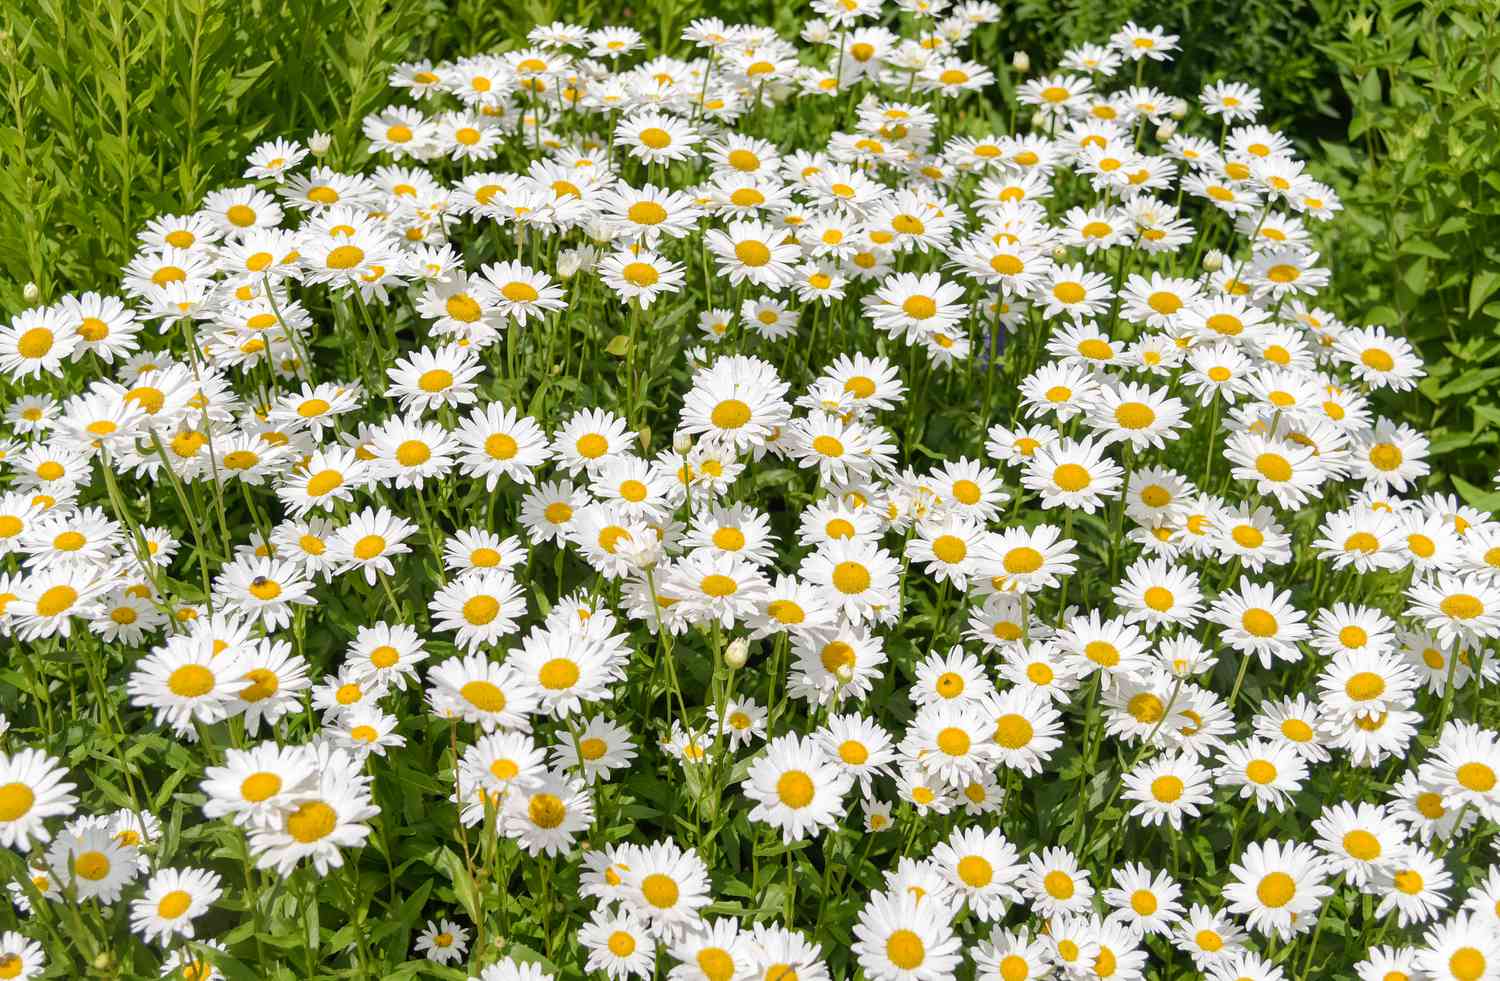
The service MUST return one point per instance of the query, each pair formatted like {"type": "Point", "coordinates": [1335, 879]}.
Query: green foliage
{"type": "Point", "coordinates": [1420, 178]}
{"type": "Point", "coordinates": [1271, 44]}
{"type": "Point", "coordinates": [117, 111]}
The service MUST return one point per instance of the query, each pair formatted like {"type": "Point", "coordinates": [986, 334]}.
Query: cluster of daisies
{"type": "Point", "coordinates": [1125, 576]}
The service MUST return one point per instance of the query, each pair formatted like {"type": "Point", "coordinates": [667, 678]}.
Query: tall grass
{"type": "Point", "coordinates": [115, 111]}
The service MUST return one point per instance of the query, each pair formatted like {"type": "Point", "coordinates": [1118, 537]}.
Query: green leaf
{"type": "Point", "coordinates": [1417, 246]}
{"type": "Point", "coordinates": [233, 968]}
{"type": "Point", "coordinates": [1481, 289]}
{"type": "Point", "coordinates": [1469, 381]}
{"type": "Point", "coordinates": [453, 867]}
{"type": "Point", "coordinates": [1474, 496]}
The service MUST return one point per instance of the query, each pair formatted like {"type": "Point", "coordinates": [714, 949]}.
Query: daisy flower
{"type": "Point", "coordinates": [433, 377]}
{"type": "Point", "coordinates": [856, 577]}
{"type": "Point", "coordinates": [563, 670]}
{"type": "Point", "coordinates": [93, 863]}
{"type": "Point", "coordinates": [796, 788]}
{"type": "Point", "coordinates": [754, 252]}
{"type": "Point", "coordinates": [667, 887]}
{"type": "Point", "coordinates": [1026, 727]}
{"type": "Point", "coordinates": [475, 689]}
{"type": "Point", "coordinates": [1278, 886]}
{"type": "Point", "coordinates": [618, 944]}
{"type": "Point", "coordinates": [481, 608]}
{"type": "Point", "coordinates": [898, 937]}
{"type": "Point", "coordinates": [1257, 620]}
{"type": "Point", "coordinates": [1266, 772]}
{"type": "Point", "coordinates": [982, 868]}
{"type": "Point", "coordinates": [656, 138]}
{"type": "Point", "coordinates": [1143, 900]}
{"type": "Point", "coordinates": [443, 941]}
{"type": "Point", "coordinates": [1168, 789]}
{"type": "Point", "coordinates": [1457, 608]}
{"type": "Point", "coordinates": [173, 899]}
{"type": "Point", "coordinates": [1073, 475]}
{"type": "Point", "coordinates": [33, 788]}
{"type": "Point", "coordinates": [546, 817]}
{"type": "Point", "coordinates": [330, 817]}
{"type": "Point", "coordinates": [368, 542]}
{"type": "Point", "coordinates": [641, 275]}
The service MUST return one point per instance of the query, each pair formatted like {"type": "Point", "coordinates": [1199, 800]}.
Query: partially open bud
{"type": "Point", "coordinates": [737, 653]}
{"type": "Point", "coordinates": [682, 442]}
{"type": "Point", "coordinates": [1166, 131]}
{"type": "Point", "coordinates": [844, 673]}
{"type": "Point", "coordinates": [1214, 261]}
{"type": "Point", "coordinates": [31, 293]}
{"type": "Point", "coordinates": [319, 143]}
{"type": "Point", "coordinates": [642, 551]}
{"type": "Point", "coordinates": [1021, 62]}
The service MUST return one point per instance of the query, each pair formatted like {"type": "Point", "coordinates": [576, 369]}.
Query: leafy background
{"type": "Point", "coordinates": [115, 111]}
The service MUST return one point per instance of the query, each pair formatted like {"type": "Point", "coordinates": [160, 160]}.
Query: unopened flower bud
{"type": "Point", "coordinates": [682, 442]}
{"type": "Point", "coordinates": [31, 293]}
{"type": "Point", "coordinates": [737, 653]}
{"type": "Point", "coordinates": [104, 961]}
{"type": "Point", "coordinates": [844, 673]}
{"type": "Point", "coordinates": [1166, 130]}
{"type": "Point", "coordinates": [1214, 261]}
{"type": "Point", "coordinates": [1021, 62]}
{"type": "Point", "coordinates": [568, 263]}
{"type": "Point", "coordinates": [1179, 112]}
{"type": "Point", "coordinates": [642, 551]}
{"type": "Point", "coordinates": [1059, 253]}
{"type": "Point", "coordinates": [319, 143]}
{"type": "Point", "coordinates": [644, 434]}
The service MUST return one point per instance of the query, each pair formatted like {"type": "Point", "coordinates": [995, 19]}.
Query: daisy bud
{"type": "Point", "coordinates": [1059, 253]}
{"type": "Point", "coordinates": [1214, 261]}
{"type": "Point", "coordinates": [1166, 131]}
{"type": "Point", "coordinates": [568, 263]}
{"type": "Point", "coordinates": [1179, 113]}
{"type": "Point", "coordinates": [844, 673]}
{"type": "Point", "coordinates": [104, 961]}
{"type": "Point", "coordinates": [817, 32]}
{"type": "Point", "coordinates": [737, 653]}
{"type": "Point", "coordinates": [1021, 62]}
{"type": "Point", "coordinates": [645, 437]}
{"type": "Point", "coordinates": [644, 552]}
{"type": "Point", "coordinates": [682, 442]}
{"type": "Point", "coordinates": [31, 293]}
{"type": "Point", "coordinates": [319, 143]}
